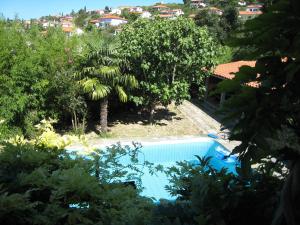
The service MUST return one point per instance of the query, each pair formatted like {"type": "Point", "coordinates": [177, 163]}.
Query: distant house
{"type": "Point", "coordinates": [109, 20]}
{"type": "Point", "coordinates": [254, 8]}
{"type": "Point", "coordinates": [136, 10]}
{"type": "Point", "coordinates": [66, 18]}
{"type": "Point", "coordinates": [66, 24]}
{"type": "Point", "coordinates": [215, 10]}
{"type": "Point", "coordinates": [171, 13]}
{"type": "Point", "coordinates": [166, 16]}
{"type": "Point", "coordinates": [225, 72]}
{"type": "Point", "coordinates": [146, 15]}
{"type": "Point", "coordinates": [177, 12]}
{"type": "Point", "coordinates": [160, 7]}
{"type": "Point", "coordinates": [70, 31]}
{"type": "Point", "coordinates": [98, 11]}
{"type": "Point", "coordinates": [116, 11]}
{"type": "Point", "coordinates": [47, 24]}
{"type": "Point", "coordinates": [246, 15]}
{"type": "Point", "coordinates": [242, 3]}
{"type": "Point", "coordinates": [197, 4]}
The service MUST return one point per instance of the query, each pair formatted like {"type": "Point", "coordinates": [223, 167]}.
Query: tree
{"type": "Point", "coordinates": [36, 77]}
{"type": "Point", "coordinates": [222, 27]}
{"type": "Point", "coordinates": [166, 56]}
{"type": "Point", "coordinates": [267, 117]}
{"type": "Point", "coordinates": [101, 74]}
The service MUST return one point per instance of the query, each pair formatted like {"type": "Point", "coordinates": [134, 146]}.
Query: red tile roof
{"type": "Point", "coordinates": [112, 17]}
{"type": "Point", "coordinates": [228, 70]}
{"type": "Point", "coordinates": [165, 15]}
{"type": "Point", "coordinates": [159, 6]}
{"type": "Point", "coordinates": [250, 13]}
{"type": "Point", "coordinates": [67, 29]}
{"type": "Point", "coordinates": [254, 6]}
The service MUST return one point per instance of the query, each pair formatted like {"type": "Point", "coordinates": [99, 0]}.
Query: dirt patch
{"type": "Point", "coordinates": [168, 122]}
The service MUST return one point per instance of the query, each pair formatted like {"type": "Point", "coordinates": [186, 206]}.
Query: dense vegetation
{"type": "Point", "coordinates": [48, 74]}
{"type": "Point", "coordinates": [165, 56]}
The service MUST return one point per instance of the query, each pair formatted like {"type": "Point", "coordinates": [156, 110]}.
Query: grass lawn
{"type": "Point", "coordinates": [168, 122]}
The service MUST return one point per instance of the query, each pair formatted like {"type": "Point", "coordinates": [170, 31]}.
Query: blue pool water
{"type": "Point", "coordinates": [167, 154]}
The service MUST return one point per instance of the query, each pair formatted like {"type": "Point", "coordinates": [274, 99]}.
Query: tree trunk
{"type": "Point", "coordinates": [103, 114]}
{"type": "Point", "coordinates": [152, 111]}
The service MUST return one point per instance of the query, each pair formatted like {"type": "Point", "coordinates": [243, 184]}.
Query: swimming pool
{"type": "Point", "coordinates": [167, 153]}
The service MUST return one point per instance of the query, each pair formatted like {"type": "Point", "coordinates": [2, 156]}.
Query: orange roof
{"type": "Point", "coordinates": [165, 15]}
{"type": "Point", "coordinates": [112, 17]}
{"type": "Point", "coordinates": [94, 21]}
{"type": "Point", "coordinates": [228, 70]}
{"type": "Point", "coordinates": [250, 13]}
{"type": "Point", "coordinates": [159, 6]}
{"type": "Point", "coordinates": [67, 29]}
{"type": "Point", "coordinates": [214, 9]}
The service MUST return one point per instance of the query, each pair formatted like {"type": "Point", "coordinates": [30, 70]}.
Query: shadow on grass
{"type": "Point", "coordinates": [133, 117]}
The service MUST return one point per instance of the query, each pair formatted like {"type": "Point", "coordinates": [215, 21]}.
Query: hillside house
{"type": "Point", "coordinates": [223, 72]}
{"type": "Point", "coordinates": [146, 15]}
{"type": "Point", "coordinates": [246, 15]}
{"type": "Point", "coordinates": [116, 11]}
{"type": "Point", "coordinates": [109, 20]}
{"type": "Point", "coordinates": [254, 8]}
{"type": "Point", "coordinates": [160, 7]}
{"type": "Point", "coordinates": [136, 10]}
{"type": "Point", "coordinates": [197, 4]}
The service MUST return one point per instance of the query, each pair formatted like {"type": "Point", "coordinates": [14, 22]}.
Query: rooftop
{"type": "Point", "coordinates": [228, 70]}
{"type": "Point", "coordinates": [250, 13]}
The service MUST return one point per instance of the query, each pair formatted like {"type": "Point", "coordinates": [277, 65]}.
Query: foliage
{"type": "Point", "coordinates": [48, 185]}
{"type": "Point", "coordinates": [166, 56]}
{"type": "Point", "coordinates": [131, 17]}
{"type": "Point", "coordinates": [36, 78]}
{"type": "Point", "coordinates": [102, 72]}
{"type": "Point", "coordinates": [222, 26]}
{"type": "Point", "coordinates": [210, 196]}
{"type": "Point", "coordinates": [267, 117]}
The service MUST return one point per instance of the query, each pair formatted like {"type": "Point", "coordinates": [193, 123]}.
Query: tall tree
{"type": "Point", "coordinates": [166, 56]}
{"type": "Point", "coordinates": [268, 121]}
{"type": "Point", "coordinates": [101, 75]}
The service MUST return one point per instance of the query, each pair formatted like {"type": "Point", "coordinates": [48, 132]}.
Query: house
{"type": "Point", "coordinates": [116, 11]}
{"type": "Point", "coordinates": [177, 12]}
{"type": "Point", "coordinates": [160, 7]}
{"type": "Point", "coordinates": [224, 72]}
{"type": "Point", "coordinates": [47, 24]}
{"type": "Point", "coordinates": [66, 24]}
{"type": "Point", "coordinates": [136, 10]}
{"type": "Point", "coordinates": [146, 15]}
{"type": "Point", "coordinates": [110, 20]}
{"type": "Point", "coordinates": [197, 4]}
{"type": "Point", "coordinates": [246, 15]}
{"type": "Point", "coordinates": [254, 8]}
{"type": "Point", "coordinates": [166, 16]}
{"type": "Point", "coordinates": [215, 10]}
{"type": "Point", "coordinates": [242, 3]}
{"type": "Point", "coordinates": [98, 11]}
{"type": "Point", "coordinates": [68, 31]}
{"type": "Point", "coordinates": [66, 18]}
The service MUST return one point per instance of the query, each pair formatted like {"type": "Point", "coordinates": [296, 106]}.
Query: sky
{"type": "Point", "coordinates": [27, 9]}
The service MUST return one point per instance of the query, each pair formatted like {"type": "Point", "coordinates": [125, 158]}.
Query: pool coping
{"type": "Point", "coordinates": [100, 143]}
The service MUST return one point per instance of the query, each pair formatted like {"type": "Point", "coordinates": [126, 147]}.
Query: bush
{"type": "Point", "coordinates": [43, 185]}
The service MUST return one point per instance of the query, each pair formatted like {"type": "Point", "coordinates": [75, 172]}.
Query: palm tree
{"type": "Point", "coordinates": [101, 75]}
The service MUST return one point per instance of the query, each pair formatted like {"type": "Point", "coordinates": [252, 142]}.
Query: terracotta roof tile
{"type": "Point", "coordinates": [250, 13]}
{"type": "Point", "coordinates": [227, 70]}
